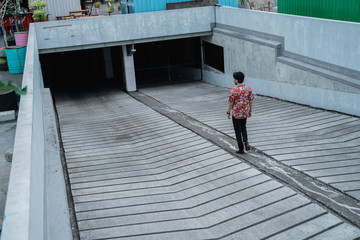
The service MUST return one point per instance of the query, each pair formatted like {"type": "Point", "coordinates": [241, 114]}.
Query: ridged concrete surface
{"type": "Point", "coordinates": [325, 145]}
{"type": "Point", "coordinates": [135, 174]}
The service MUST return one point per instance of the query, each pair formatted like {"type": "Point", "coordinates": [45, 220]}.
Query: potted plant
{"type": "Point", "coordinates": [97, 5]}
{"type": "Point", "coordinates": [110, 9]}
{"type": "Point", "coordinates": [8, 98]}
{"type": "Point", "coordinates": [10, 86]}
{"type": "Point", "coordinates": [21, 37]}
{"type": "Point", "coordinates": [119, 6]}
{"type": "Point", "coordinates": [9, 8]}
{"type": "Point", "coordinates": [15, 56]}
{"type": "Point", "coordinates": [39, 13]}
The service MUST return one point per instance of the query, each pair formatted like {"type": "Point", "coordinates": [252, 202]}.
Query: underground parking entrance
{"type": "Point", "coordinates": [83, 69]}
{"type": "Point", "coordinates": [154, 63]}
{"type": "Point", "coordinates": [168, 62]}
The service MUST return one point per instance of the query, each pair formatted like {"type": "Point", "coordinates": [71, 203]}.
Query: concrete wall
{"type": "Point", "coordinates": [124, 29]}
{"type": "Point", "coordinates": [33, 170]}
{"type": "Point", "coordinates": [271, 68]}
{"type": "Point", "coordinates": [334, 42]}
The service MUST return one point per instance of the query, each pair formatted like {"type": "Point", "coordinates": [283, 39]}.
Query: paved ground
{"type": "Point", "coordinates": [325, 145]}
{"type": "Point", "coordinates": [137, 174]}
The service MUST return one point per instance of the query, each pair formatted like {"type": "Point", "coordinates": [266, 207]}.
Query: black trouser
{"type": "Point", "coordinates": [240, 132]}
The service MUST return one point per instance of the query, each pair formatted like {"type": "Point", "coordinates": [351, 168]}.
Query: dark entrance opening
{"type": "Point", "coordinates": [83, 69]}
{"type": "Point", "coordinates": [167, 62]}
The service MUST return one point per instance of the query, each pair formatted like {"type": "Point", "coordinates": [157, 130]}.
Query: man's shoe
{"type": "Point", "coordinates": [248, 148]}
{"type": "Point", "coordinates": [240, 152]}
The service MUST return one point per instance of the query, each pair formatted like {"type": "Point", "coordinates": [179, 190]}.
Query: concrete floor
{"type": "Point", "coordinates": [322, 144]}
{"type": "Point", "coordinates": [152, 165]}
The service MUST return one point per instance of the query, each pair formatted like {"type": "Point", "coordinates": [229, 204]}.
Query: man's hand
{"type": "Point", "coordinates": [228, 115]}
{"type": "Point", "coordinates": [249, 115]}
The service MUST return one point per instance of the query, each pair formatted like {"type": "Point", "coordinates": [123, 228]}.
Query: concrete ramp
{"type": "Point", "coordinates": [136, 174]}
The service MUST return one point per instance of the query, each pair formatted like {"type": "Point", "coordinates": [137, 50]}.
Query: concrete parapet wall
{"type": "Point", "coordinates": [334, 42]}
{"type": "Point", "coordinates": [273, 71]}
{"type": "Point", "coordinates": [28, 212]}
{"type": "Point", "coordinates": [270, 76]}
{"type": "Point", "coordinates": [16, 223]}
{"type": "Point", "coordinates": [123, 29]}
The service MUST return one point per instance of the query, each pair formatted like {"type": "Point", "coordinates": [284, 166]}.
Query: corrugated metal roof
{"type": "Point", "coordinates": [345, 10]}
{"type": "Point", "coordinates": [60, 8]}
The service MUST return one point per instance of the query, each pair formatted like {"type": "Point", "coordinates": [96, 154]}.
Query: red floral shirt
{"type": "Point", "coordinates": [240, 96]}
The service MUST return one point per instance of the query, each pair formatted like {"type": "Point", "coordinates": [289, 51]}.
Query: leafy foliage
{"type": "Point", "coordinates": [12, 86]}
{"type": "Point", "coordinates": [110, 9]}
{"type": "Point", "coordinates": [242, 2]}
{"type": "Point", "coordinates": [38, 4]}
{"type": "Point", "coordinates": [39, 14]}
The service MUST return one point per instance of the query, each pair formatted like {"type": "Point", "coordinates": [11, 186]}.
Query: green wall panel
{"type": "Point", "coordinates": [345, 10]}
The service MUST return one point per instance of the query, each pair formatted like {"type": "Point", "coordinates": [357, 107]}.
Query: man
{"type": "Point", "coordinates": [240, 107]}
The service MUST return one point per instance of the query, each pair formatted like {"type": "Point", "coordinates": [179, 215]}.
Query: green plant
{"type": "Point", "coordinates": [119, 5]}
{"type": "Point", "coordinates": [2, 61]}
{"type": "Point", "coordinates": [242, 2]}
{"type": "Point", "coordinates": [110, 9]}
{"type": "Point", "coordinates": [38, 4]}
{"type": "Point", "coordinates": [97, 4]}
{"type": "Point", "coordinates": [11, 86]}
{"type": "Point", "coordinates": [39, 13]}
{"type": "Point", "coordinates": [109, 1]}
{"type": "Point", "coordinates": [11, 38]}
{"type": "Point", "coordinates": [12, 9]}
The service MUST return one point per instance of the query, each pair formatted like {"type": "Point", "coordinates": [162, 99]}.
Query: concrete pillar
{"type": "Point", "coordinates": [129, 71]}
{"type": "Point", "coordinates": [108, 64]}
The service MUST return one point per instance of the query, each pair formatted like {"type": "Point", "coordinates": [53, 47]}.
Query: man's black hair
{"type": "Point", "coordinates": [239, 76]}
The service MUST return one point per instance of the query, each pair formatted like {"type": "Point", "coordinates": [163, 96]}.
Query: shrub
{"type": "Point", "coordinates": [38, 4]}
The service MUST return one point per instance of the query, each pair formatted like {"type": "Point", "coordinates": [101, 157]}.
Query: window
{"type": "Point", "coordinates": [213, 56]}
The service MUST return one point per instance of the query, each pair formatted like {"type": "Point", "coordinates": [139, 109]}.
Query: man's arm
{"type": "Point", "coordinates": [230, 106]}
{"type": "Point", "coordinates": [251, 106]}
